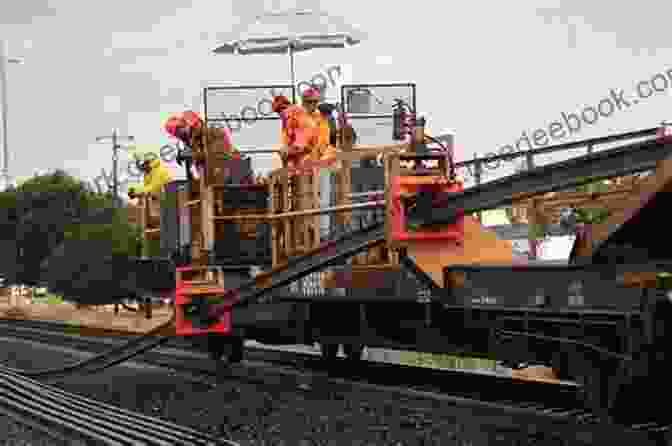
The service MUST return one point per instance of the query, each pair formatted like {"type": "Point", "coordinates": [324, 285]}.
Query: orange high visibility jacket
{"type": "Point", "coordinates": [302, 130]}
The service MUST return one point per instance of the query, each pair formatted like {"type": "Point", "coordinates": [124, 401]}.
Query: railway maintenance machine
{"type": "Point", "coordinates": [382, 248]}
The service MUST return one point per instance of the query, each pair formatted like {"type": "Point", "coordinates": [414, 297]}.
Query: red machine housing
{"type": "Point", "coordinates": [407, 185]}
{"type": "Point", "coordinates": [185, 292]}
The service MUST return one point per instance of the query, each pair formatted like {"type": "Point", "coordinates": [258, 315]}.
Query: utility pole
{"type": "Point", "coordinates": [4, 60]}
{"type": "Point", "coordinates": [115, 138]}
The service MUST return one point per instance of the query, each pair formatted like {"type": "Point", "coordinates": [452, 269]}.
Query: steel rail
{"type": "Point", "coordinates": [560, 414]}
{"type": "Point", "coordinates": [102, 419]}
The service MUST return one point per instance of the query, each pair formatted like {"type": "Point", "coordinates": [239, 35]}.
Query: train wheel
{"type": "Point", "coordinates": [215, 355]}
{"type": "Point", "coordinates": [329, 352]}
{"type": "Point", "coordinates": [237, 351]}
{"type": "Point", "coordinates": [353, 352]}
{"type": "Point", "coordinates": [215, 347]}
{"type": "Point", "coordinates": [559, 366]}
{"type": "Point", "coordinates": [594, 381]}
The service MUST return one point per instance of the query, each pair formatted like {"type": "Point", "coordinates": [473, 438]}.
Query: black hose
{"type": "Point", "coordinates": [129, 308]}
{"type": "Point", "coordinates": [450, 157]}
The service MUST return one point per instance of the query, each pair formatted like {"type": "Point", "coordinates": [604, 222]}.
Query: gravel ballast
{"type": "Point", "coordinates": [13, 433]}
{"type": "Point", "coordinates": [271, 411]}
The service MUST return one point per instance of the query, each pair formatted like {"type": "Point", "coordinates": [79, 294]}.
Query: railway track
{"type": "Point", "coordinates": [88, 419]}
{"type": "Point", "coordinates": [507, 404]}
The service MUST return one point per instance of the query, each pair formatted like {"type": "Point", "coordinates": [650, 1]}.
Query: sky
{"type": "Point", "coordinates": [486, 70]}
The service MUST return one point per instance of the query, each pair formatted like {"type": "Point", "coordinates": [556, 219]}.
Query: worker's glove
{"type": "Point", "coordinates": [326, 109]}
{"type": "Point", "coordinates": [568, 219]}
{"type": "Point", "coordinates": [183, 155]}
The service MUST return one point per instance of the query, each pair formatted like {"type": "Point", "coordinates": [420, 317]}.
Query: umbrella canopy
{"type": "Point", "coordinates": [290, 32]}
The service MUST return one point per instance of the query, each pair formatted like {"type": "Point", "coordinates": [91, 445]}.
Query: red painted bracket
{"type": "Point", "coordinates": [184, 326]}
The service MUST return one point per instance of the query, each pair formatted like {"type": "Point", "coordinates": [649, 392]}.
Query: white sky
{"type": "Point", "coordinates": [487, 70]}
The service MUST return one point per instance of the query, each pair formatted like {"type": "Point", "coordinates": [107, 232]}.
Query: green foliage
{"type": "Point", "coordinates": [509, 213]}
{"type": "Point", "coordinates": [56, 181]}
{"type": "Point", "coordinates": [8, 202]}
{"type": "Point", "coordinates": [70, 237]}
{"type": "Point", "coordinates": [54, 299]}
{"type": "Point", "coordinates": [592, 215]}
{"type": "Point", "coordinates": [49, 298]}
{"type": "Point", "coordinates": [37, 211]}
{"type": "Point", "coordinates": [151, 248]}
{"type": "Point", "coordinates": [594, 186]}
{"type": "Point", "coordinates": [537, 231]}
{"type": "Point", "coordinates": [125, 238]}
{"type": "Point", "coordinates": [92, 264]}
{"type": "Point", "coordinates": [664, 280]}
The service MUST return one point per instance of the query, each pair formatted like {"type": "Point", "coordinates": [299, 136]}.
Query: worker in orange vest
{"type": "Point", "coordinates": [306, 132]}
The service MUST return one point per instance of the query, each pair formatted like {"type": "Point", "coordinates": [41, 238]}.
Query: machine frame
{"type": "Point", "coordinates": [595, 321]}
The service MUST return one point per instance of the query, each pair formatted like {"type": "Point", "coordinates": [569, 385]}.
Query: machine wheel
{"type": "Point", "coordinates": [237, 349]}
{"type": "Point", "coordinates": [329, 352]}
{"type": "Point", "coordinates": [559, 365]}
{"type": "Point", "coordinates": [215, 355]}
{"type": "Point", "coordinates": [595, 379]}
{"type": "Point", "coordinates": [216, 347]}
{"type": "Point", "coordinates": [353, 352]}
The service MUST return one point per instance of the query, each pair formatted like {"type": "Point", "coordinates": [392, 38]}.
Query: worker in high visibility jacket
{"type": "Point", "coordinates": [156, 175]}
{"type": "Point", "coordinates": [306, 133]}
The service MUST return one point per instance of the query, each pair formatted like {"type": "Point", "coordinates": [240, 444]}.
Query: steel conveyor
{"type": "Point", "coordinates": [624, 160]}
{"type": "Point", "coordinates": [627, 159]}
{"type": "Point", "coordinates": [330, 253]}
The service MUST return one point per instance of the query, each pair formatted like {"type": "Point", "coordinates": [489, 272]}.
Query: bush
{"type": "Point", "coordinates": [94, 265]}
{"type": "Point", "coordinates": [66, 235]}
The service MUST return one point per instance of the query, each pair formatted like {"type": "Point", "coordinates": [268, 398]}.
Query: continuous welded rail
{"type": "Point", "coordinates": [109, 358]}
{"type": "Point", "coordinates": [27, 399]}
{"type": "Point", "coordinates": [89, 419]}
{"type": "Point", "coordinates": [547, 406]}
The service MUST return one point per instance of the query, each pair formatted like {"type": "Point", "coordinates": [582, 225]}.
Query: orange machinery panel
{"type": "Point", "coordinates": [185, 292]}
{"type": "Point", "coordinates": [407, 185]}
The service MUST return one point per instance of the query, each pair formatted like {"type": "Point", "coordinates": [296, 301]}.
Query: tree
{"type": "Point", "coordinates": [44, 205]}
{"type": "Point", "coordinates": [8, 224]}
{"type": "Point", "coordinates": [94, 263]}
{"type": "Point", "coordinates": [70, 238]}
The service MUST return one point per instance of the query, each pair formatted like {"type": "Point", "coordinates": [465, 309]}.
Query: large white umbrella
{"type": "Point", "coordinates": [289, 32]}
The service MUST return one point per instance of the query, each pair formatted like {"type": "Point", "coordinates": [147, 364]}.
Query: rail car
{"type": "Point", "coordinates": [388, 254]}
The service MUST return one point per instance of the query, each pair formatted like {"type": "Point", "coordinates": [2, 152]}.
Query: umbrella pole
{"type": "Point", "coordinates": [291, 68]}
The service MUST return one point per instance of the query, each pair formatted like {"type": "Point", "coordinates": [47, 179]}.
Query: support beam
{"type": "Point", "coordinates": [305, 213]}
